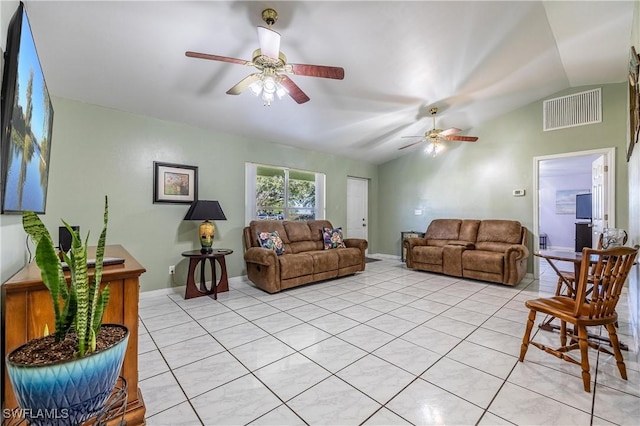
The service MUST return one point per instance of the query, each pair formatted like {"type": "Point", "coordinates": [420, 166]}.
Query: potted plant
{"type": "Point", "coordinates": [66, 377]}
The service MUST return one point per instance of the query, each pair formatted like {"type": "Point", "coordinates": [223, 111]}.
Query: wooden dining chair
{"type": "Point", "coordinates": [568, 278]}
{"type": "Point", "coordinates": [603, 277]}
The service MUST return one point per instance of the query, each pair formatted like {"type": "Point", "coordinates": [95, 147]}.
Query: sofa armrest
{"type": "Point", "coordinates": [357, 243]}
{"type": "Point", "coordinates": [409, 244]}
{"type": "Point", "coordinates": [517, 252]}
{"type": "Point", "coordinates": [413, 242]}
{"type": "Point", "coordinates": [360, 244]}
{"type": "Point", "coordinates": [515, 268]}
{"type": "Point", "coordinates": [261, 256]}
{"type": "Point", "coordinates": [263, 268]}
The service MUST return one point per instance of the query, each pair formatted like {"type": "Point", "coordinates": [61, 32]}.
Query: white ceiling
{"type": "Point", "coordinates": [474, 60]}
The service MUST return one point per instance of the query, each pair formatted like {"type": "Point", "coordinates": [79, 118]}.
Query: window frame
{"type": "Point", "coordinates": [251, 176]}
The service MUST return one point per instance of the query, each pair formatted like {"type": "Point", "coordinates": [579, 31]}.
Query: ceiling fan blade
{"type": "Point", "coordinates": [243, 84]}
{"type": "Point", "coordinates": [323, 71]}
{"type": "Point", "coordinates": [269, 42]}
{"type": "Point", "coordinates": [217, 58]}
{"type": "Point", "coordinates": [450, 131]}
{"type": "Point", "coordinates": [294, 91]}
{"type": "Point", "coordinates": [462, 138]}
{"type": "Point", "coordinates": [421, 136]}
{"type": "Point", "coordinates": [411, 144]}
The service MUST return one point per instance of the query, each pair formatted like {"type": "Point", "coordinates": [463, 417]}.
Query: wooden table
{"type": "Point", "coordinates": [575, 258]}
{"type": "Point", "coordinates": [26, 308]}
{"type": "Point", "coordinates": [197, 256]}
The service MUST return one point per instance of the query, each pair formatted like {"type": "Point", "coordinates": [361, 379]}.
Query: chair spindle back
{"type": "Point", "coordinates": [602, 279]}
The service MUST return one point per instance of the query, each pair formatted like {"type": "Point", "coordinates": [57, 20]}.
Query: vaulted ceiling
{"type": "Point", "coordinates": [475, 60]}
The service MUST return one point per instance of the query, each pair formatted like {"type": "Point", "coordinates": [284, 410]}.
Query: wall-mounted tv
{"type": "Point", "coordinates": [583, 207]}
{"type": "Point", "coordinates": [27, 122]}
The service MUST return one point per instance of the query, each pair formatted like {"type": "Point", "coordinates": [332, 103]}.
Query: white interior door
{"type": "Point", "coordinates": [608, 173]}
{"type": "Point", "coordinates": [357, 208]}
{"type": "Point", "coordinates": [599, 198]}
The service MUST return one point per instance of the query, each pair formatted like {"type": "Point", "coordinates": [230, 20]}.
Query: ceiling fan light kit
{"type": "Point", "coordinates": [435, 137]}
{"type": "Point", "coordinates": [272, 79]}
{"type": "Point", "coordinates": [433, 149]}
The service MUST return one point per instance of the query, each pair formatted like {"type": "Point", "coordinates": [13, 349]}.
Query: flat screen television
{"type": "Point", "coordinates": [583, 207]}
{"type": "Point", "coordinates": [27, 122]}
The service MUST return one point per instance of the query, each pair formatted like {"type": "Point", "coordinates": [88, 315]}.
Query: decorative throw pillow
{"type": "Point", "coordinates": [333, 238]}
{"type": "Point", "coordinates": [272, 241]}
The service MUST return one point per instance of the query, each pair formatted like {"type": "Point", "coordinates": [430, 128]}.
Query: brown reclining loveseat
{"type": "Point", "coordinates": [487, 250]}
{"type": "Point", "coordinates": [304, 260]}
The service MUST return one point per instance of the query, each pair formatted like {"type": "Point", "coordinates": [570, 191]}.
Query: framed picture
{"type": "Point", "coordinates": [174, 183]}
{"type": "Point", "coordinates": [634, 101]}
{"type": "Point", "coordinates": [566, 200]}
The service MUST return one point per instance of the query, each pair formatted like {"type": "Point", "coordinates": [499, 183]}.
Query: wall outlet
{"type": "Point", "coordinates": [172, 269]}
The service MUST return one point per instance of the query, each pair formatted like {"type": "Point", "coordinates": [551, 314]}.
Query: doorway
{"type": "Point", "coordinates": [548, 201]}
{"type": "Point", "coordinates": [357, 208]}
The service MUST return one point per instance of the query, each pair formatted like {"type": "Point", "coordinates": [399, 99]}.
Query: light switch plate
{"type": "Point", "coordinates": [518, 192]}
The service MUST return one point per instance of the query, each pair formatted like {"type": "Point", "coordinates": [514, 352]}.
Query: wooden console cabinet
{"type": "Point", "coordinates": [26, 308]}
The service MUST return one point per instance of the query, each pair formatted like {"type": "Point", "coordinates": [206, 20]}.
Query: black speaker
{"type": "Point", "coordinates": [64, 237]}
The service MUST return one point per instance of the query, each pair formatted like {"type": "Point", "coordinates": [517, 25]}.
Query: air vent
{"type": "Point", "coordinates": [574, 110]}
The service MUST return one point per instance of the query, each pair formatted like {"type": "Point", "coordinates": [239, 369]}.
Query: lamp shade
{"type": "Point", "coordinates": [205, 210]}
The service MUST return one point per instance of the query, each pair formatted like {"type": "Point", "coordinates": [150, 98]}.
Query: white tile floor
{"type": "Point", "coordinates": [388, 346]}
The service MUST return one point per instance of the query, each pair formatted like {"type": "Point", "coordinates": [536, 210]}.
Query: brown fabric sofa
{"type": "Point", "coordinates": [304, 259]}
{"type": "Point", "coordinates": [487, 250]}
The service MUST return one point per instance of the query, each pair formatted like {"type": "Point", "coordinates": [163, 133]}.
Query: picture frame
{"type": "Point", "coordinates": [634, 101]}
{"type": "Point", "coordinates": [174, 183]}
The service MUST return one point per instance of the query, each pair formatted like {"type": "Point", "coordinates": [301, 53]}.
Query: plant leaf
{"type": "Point", "coordinates": [49, 264]}
{"type": "Point", "coordinates": [96, 313]}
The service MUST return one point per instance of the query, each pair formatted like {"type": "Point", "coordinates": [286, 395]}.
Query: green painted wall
{"type": "Point", "coordinates": [476, 180]}
{"type": "Point", "coordinates": [98, 151]}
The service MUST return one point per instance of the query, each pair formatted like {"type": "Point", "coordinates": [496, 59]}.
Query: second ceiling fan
{"type": "Point", "coordinates": [272, 79]}
{"type": "Point", "coordinates": [435, 137]}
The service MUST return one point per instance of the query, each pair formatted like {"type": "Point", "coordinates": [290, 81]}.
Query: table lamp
{"type": "Point", "coordinates": [205, 210]}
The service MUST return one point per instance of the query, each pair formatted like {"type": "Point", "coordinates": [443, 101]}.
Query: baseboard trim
{"type": "Point", "coordinates": [384, 256]}
{"type": "Point", "coordinates": [181, 288]}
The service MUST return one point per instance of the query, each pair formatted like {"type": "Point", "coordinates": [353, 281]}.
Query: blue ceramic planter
{"type": "Point", "coordinates": [70, 392]}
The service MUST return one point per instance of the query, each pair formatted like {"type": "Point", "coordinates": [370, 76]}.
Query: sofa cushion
{"type": "Point", "coordinates": [502, 231]}
{"type": "Point", "coordinates": [272, 241]}
{"type": "Point", "coordinates": [333, 238]}
{"type": "Point", "coordinates": [269, 226]}
{"type": "Point", "coordinates": [493, 246]}
{"type": "Point", "coordinates": [469, 230]}
{"type": "Point", "coordinates": [316, 227]}
{"type": "Point", "coordinates": [297, 231]}
{"type": "Point", "coordinates": [302, 246]}
{"type": "Point", "coordinates": [443, 229]}
{"type": "Point", "coordinates": [324, 260]}
{"type": "Point", "coordinates": [485, 261]}
{"type": "Point", "coordinates": [295, 265]}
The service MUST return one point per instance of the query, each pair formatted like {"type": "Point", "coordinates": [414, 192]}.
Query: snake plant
{"type": "Point", "coordinates": [78, 305]}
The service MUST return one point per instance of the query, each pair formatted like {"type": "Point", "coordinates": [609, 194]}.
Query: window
{"type": "Point", "coordinates": [279, 193]}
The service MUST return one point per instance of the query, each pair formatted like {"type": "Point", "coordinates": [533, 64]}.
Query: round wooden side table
{"type": "Point", "coordinates": [195, 257]}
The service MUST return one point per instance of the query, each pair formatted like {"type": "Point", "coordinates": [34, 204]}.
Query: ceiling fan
{"type": "Point", "coordinates": [272, 79]}
{"type": "Point", "coordinates": [435, 137]}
